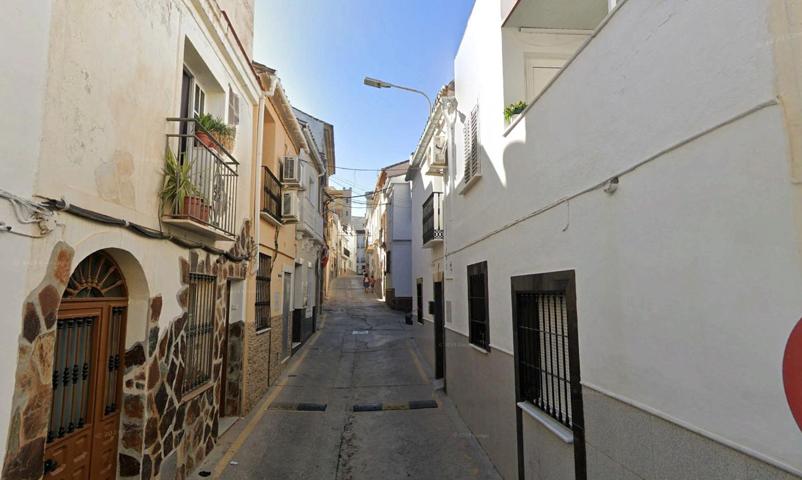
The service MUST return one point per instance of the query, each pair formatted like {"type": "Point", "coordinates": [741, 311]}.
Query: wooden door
{"type": "Point", "coordinates": [87, 378]}
{"type": "Point", "coordinates": [439, 332]}
{"type": "Point", "coordinates": [285, 315]}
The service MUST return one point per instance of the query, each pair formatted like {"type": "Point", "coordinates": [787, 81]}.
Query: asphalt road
{"type": "Point", "coordinates": [362, 354]}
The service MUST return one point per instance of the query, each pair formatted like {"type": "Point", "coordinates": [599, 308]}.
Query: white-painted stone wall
{"type": "Point", "coordinates": [87, 99]}
{"type": "Point", "coordinates": [689, 276]}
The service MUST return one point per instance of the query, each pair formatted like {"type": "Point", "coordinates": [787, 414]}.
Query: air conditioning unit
{"type": "Point", "coordinates": [289, 206]}
{"type": "Point", "coordinates": [291, 171]}
{"type": "Point", "coordinates": [439, 150]}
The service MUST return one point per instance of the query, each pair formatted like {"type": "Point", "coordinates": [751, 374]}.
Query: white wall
{"type": "Point", "coordinates": [688, 278]}
{"type": "Point", "coordinates": [22, 92]}
{"type": "Point", "coordinates": [87, 103]}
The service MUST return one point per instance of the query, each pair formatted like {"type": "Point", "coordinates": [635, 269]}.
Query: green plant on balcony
{"type": "Point", "coordinates": [513, 109]}
{"type": "Point", "coordinates": [220, 130]}
{"type": "Point", "coordinates": [180, 192]}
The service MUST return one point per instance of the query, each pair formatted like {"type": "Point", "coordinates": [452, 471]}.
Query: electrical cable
{"type": "Point", "coordinates": [63, 206]}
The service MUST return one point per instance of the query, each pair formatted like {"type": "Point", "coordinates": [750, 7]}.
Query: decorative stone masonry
{"type": "Point", "coordinates": [30, 408]}
{"type": "Point", "coordinates": [132, 419]}
{"type": "Point", "coordinates": [233, 400]}
{"type": "Point", "coordinates": [189, 427]}
{"type": "Point", "coordinates": [155, 421]}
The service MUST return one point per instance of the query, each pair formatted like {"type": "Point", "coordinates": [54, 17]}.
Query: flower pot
{"type": "Point", "coordinates": [196, 208]}
{"type": "Point", "coordinates": [227, 142]}
{"type": "Point", "coordinates": [514, 118]}
{"type": "Point", "coordinates": [206, 139]}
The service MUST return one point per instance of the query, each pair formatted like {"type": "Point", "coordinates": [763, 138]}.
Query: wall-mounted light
{"type": "Point", "coordinates": [611, 186]}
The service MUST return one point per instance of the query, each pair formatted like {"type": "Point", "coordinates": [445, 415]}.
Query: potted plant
{"type": "Point", "coordinates": [217, 128]}
{"type": "Point", "coordinates": [179, 190]}
{"type": "Point", "coordinates": [513, 111]}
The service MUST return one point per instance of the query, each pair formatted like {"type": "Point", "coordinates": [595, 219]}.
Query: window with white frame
{"type": "Point", "coordinates": [199, 102]}
{"type": "Point", "coordinates": [471, 132]}
{"type": "Point", "coordinates": [233, 107]}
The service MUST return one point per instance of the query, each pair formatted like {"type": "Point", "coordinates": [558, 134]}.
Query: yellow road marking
{"type": "Point", "coordinates": [234, 448]}
{"type": "Point", "coordinates": [418, 365]}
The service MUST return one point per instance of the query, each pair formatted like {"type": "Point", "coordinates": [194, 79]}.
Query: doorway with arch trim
{"type": "Point", "coordinates": [83, 429]}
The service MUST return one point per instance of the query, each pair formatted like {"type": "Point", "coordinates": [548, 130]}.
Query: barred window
{"type": "Point", "coordinates": [199, 332]}
{"type": "Point", "coordinates": [478, 328]}
{"type": "Point", "coordinates": [547, 350]}
{"type": "Point", "coordinates": [263, 293]}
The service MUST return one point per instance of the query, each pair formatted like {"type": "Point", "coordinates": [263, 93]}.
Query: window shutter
{"type": "Point", "coordinates": [233, 107]}
{"type": "Point", "coordinates": [471, 131]}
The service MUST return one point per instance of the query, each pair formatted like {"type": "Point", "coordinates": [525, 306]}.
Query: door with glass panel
{"type": "Point", "coordinates": [84, 423]}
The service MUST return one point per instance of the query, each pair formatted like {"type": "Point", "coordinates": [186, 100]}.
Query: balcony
{"type": "Point", "coordinates": [433, 220]}
{"type": "Point", "coordinates": [210, 207]}
{"type": "Point", "coordinates": [271, 197]}
{"type": "Point", "coordinates": [310, 223]}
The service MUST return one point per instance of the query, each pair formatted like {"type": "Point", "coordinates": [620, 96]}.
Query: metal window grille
{"type": "Point", "coordinates": [71, 376]}
{"type": "Point", "coordinates": [478, 328]}
{"type": "Point", "coordinates": [113, 360]}
{"type": "Point", "coordinates": [199, 331]}
{"type": "Point", "coordinates": [432, 217]}
{"type": "Point", "coordinates": [543, 356]}
{"type": "Point", "coordinates": [263, 293]}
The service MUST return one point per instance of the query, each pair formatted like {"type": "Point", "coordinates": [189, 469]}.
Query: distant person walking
{"type": "Point", "coordinates": [372, 283]}
{"type": "Point", "coordinates": [366, 282]}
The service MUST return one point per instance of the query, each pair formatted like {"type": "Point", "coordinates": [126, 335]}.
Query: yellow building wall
{"type": "Point", "coordinates": [263, 350]}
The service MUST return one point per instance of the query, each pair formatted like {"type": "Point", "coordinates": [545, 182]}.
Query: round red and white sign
{"type": "Point", "coordinates": [792, 372]}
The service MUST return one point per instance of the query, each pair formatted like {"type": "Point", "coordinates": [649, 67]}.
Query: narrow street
{"type": "Point", "coordinates": [362, 354]}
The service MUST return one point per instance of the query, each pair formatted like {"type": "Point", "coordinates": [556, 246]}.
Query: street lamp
{"type": "Point", "coordinates": [375, 83]}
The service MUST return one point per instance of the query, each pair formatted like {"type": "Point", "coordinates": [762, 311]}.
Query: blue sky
{"type": "Point", "coordinates": [323, 48]}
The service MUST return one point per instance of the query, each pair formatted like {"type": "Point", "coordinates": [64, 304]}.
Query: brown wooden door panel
{"type": "Point", "coordinates": [71, 456]}
{"type": "Point", "coordinates": [84, 444]}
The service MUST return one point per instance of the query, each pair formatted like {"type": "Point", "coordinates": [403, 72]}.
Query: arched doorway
{"type": "Point", "coordinates": [87, 372]}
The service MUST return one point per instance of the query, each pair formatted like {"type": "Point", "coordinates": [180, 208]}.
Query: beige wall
{"type": "Point", "coordinates": [263, 362]}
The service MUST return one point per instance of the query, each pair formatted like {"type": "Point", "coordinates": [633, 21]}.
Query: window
{"type": "Point", "coordinates": [547, 350]}
{"type": "Point", "coordinates": [199, 332]}
{"type": "Point", "coordinates": [263, 293]}
{"type": "Point", "coordinates": [471, 131]}
{"type": "Point", "coordinates": [199, 102]}
{"type": "Point", "coordinates": [233, 107]}
{"type": "Point", "coordinates": [478, 328]}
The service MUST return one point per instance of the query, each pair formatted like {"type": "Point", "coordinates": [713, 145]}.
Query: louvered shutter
{"type": "Point", "coordinates": [471, 131]}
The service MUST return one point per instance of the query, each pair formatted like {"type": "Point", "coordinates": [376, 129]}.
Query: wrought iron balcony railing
{"type": "Point", "coordinates": [212, 172]}
{"type": "Point", "coordinates": [433, 218]}
{"type": "Point", "coordinates": [271, 195]}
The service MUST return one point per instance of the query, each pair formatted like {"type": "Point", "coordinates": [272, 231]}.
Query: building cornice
{"type": "Point", "coordinates": [274, 92]}
{"type": "Point", "coordinates": [445, 102]}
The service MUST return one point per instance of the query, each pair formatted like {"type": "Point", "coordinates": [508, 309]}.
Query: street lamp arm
{"type": "Point", "coordinates": [414, 91]}
{"type": "Point", "coordinates": [376, 83]}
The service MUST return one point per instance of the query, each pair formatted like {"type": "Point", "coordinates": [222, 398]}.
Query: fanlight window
{"type": "Point", "coordinates": [97, 276]}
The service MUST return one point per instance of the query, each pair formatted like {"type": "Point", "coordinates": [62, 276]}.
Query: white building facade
{"type": "Point", "coordinates": [309, 228]}
{"type": "Point", "coordinates": [113, 256]}
{"type": "Point", "coordinates": [389, 237]}
{"type": "Point", "coordinates": [426, 173]}
{"type": "Point", "coordinates": [622, 265]}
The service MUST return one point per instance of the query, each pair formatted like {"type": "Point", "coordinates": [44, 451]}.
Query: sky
{"type": "Point", "coordinates": [322, 49]}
